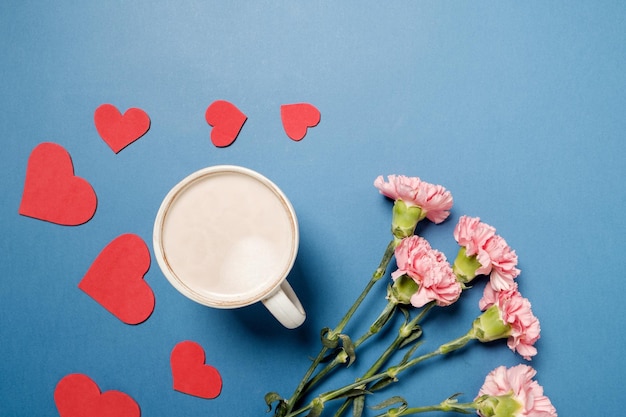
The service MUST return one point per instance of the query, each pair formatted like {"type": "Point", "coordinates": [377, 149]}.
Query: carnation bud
{"type": "Point", "coordinates": [465, 267]}
{"type": "Point", "coordinates": [404, 219]}
{"type": "Point", "coordinates": [498, 406]}
{"type": "Point", "coordinates": [489, 326]}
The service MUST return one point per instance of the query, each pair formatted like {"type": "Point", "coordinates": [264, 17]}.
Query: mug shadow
{"type": "Point", "coordinates": [260, 323]}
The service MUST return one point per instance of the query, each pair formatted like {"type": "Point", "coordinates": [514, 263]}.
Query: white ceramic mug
{"type": "Point", "coordinates": [227, 237]}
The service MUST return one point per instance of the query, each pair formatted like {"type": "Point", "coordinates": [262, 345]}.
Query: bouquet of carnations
{"type": "Point", "coordinates": [425, 280]}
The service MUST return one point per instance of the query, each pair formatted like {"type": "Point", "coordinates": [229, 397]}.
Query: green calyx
{"type": "Point", "coordinates": [489, 326]}
{"type": "Point", "coordinates": [465, 267]}
{"type": "Point", "coordinates": [404, 219]}
{"type": "Point", "coordinates": [402, 290]}
{"type": "Point", "coordinates": [498, 406]}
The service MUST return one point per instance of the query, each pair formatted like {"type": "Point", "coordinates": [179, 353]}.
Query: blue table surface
{"type": "Point", "coordinates": [518, 108]}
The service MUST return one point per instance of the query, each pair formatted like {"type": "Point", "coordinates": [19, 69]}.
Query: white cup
{"type": "Point", "coordinates": [227, 237]}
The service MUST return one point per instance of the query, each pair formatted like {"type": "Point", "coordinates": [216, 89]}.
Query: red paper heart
{"type": "Point", "coordinates": [297, 118]}
{"type": "Point", "coordinates": [77, 395]}
{"type": "Point", "coordinates": [227, 121]}
{"type": "Point", "coordinates": [190, 373]}
{"type": "Point", "coordinates": [51, 190]}
{"type": "Point", "coordinates": [115, 279]}
{"type": "Point", "coordinates": [118, 130]}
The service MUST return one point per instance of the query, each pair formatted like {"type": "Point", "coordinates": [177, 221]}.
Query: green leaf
{"type": "Point", "coordinates": [405, 311]}
{"type": "Point", "coordinates": [328, 338]}
{"type": "Point", "coordinates": [454, 397]}
{"type": "Point", "coordinates": [358, 405]}
{"type": "Point", "coordinates": [410, 353]}
{"type": "Point", "coordinates": [451, 404]}
{"type": "Point", "coordinates": [355, 392]}
{"type": "Point", "coordinates": [416, 333]}
{"type": "Point", "coordinates": [272, 397]}
{"type": "Point", "coordinates": [348, 347]}
{"type": "Point", "coordinates": [391, 401]}
{"type": "Point", "coordinates": [384, 317]}
{"type": "Point", "coordinates": [382, 383]}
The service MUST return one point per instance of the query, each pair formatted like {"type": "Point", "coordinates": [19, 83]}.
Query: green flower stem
{"type": "Point", "coordinates": [338, 360]}
{"type": "Point", "coordinates": [403, 333]}
{"type": "Point", "coordinates": [372, 371]}
{"type": "Point", "coordinates": [463, 408]}
{"type": "Point", "coordinates": [379, 323]}
{"type": "Point", "coordinates": [376, 276]}
{"type": "Point", "coordinates": [382, 319]}
{"type": "Point", "coordinates": [391, 372]}
{"type": "Point", "coordinates": [451, 346]}
{"type": "Point", "coordinates": [383, 358]}
{"type": "Point", "coordinates": [342, 409]}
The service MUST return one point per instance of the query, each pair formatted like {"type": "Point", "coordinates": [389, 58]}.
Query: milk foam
{"type": "Point", "coordinates": [227, 235]}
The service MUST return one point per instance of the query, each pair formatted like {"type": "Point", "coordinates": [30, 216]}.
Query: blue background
{"type": "Point", "coordinates": [518, 108]}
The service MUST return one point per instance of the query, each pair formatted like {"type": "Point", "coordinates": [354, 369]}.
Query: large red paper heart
{"type": "Point", "coordinates": [297, 118]}
{"type": "Point", "coordinates": [116, 279]}
{"type": "Point", "coordinates": [226, 120]}
{"type": "Point", "coordinates": [77, 395]}
{"type": "Point", "coordinates": [118, 130]}
{"type": "Point", "coordinates": [51, 190]}
{"type": "Point", "coordinates": [191, 374]}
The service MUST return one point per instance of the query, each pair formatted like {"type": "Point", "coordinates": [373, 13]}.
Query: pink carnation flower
{"type": "Point", "coordinates": [515, 310]}
{"type": "Point", "coordinates": [503, 263]}
{"type": "Point", "coordinates": [473, 234]}
{"type": "Point", "coordinates": [490, 296]}
{"type": "Point", "coordinates": [496, 258]}
{"type": "Point", "coordinates": [429, 269]}
{"type": "Point", "coordinates": [434, 200]}
{"type": "Point", "coordinates": [518, 382]}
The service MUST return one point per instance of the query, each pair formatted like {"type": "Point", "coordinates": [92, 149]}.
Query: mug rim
{"type": "Point", "coordinates": [177, 282]}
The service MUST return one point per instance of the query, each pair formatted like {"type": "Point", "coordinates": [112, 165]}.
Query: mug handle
{"type": "Point", "coordinates": [285, 306]}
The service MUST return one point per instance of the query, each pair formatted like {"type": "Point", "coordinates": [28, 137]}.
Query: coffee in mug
{"type": "Point", "coordinates": [227, 237]}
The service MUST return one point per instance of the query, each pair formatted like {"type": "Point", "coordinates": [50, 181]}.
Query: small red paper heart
{"type": "Point", "coordinates": [116, 279]}
{"type": "Point", "coordinates": [118, 130]}
{"type": "Point", "coordinates": [226, 120]}
{"type": "Point", "coordinates": [51, 190]}
{"type": "Point", "coordinates": [297, 118]}
{"type": "Point", "coordinates": [77, 395]}
{"type": "Point", "coordinates": [190, 373]}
